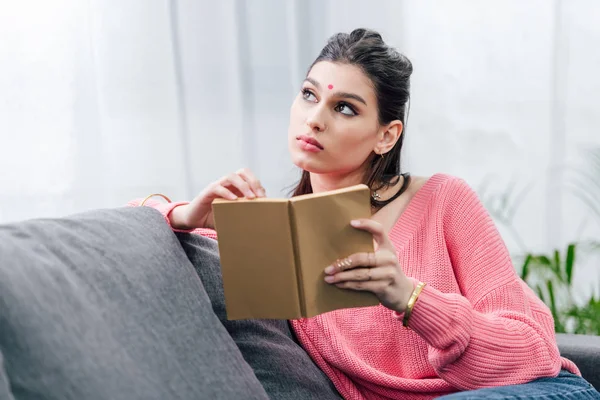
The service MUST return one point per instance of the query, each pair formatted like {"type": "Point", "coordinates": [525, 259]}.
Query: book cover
{"type": "Point", "coordinates": [273, 252]}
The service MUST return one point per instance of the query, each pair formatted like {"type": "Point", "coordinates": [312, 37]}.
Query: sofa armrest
{"type": "Point", "coordinates": [584, 351]}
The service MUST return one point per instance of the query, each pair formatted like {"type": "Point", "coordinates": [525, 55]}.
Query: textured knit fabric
{"type": "Point", "coordinates": [475, 325]}
{"type": "Point", "coordinates": [106, 305]}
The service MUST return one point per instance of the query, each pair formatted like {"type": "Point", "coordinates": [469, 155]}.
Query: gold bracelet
{"type": "Point", "coordinates": [155, 194]}
{"type": "Point", "coordinates": [411, 302]}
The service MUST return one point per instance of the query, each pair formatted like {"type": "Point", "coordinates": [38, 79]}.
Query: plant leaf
{"type": "Point", "coordinates": [525, 269]}
{"type": "Point", "coordinates": [550, 288]}
{"type": "Point", "coordinates": [570, 261]}
{"type": "Point", "coordinates": [540, 293]}
{"type": "Point", "coordinates": [556, 266]}
{"type": "Point", "coordinates": [543, 260]}
{"type": "Point", "coordinates": [558, 327]}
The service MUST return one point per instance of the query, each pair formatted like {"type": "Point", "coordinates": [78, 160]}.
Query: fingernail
{"type": "Point", "coordinates": [329, 279]}
{"type": "Point", "coordinates": [355, 223]}
{"type": "Point", "coordinates": [329, 270]}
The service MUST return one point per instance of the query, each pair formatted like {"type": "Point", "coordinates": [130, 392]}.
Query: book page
{"type": "Point", "coordinates": [323, 233]}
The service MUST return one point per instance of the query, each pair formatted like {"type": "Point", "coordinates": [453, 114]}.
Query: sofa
{"type": "Point", "coordinates": [111, 304]}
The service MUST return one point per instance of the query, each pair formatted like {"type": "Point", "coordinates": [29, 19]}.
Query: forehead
{"type": "Point", "coordinates": [343, 77]}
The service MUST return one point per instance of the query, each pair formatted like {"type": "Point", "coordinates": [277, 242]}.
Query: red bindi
{"type": "Point", "coordinates": [330, 87]}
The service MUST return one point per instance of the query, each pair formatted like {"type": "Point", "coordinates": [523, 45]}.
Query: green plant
{"type": "Point", "coordinates": [551, 276]}
{"type": "Point", "coordinates": [586, 317]}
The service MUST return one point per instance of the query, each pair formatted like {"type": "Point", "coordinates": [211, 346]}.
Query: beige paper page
{"type": "Point", "coordinates": [324, 234]}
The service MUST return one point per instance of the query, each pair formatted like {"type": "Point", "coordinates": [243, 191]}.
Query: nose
{"type": "Point", "coordinates": [316, 122]}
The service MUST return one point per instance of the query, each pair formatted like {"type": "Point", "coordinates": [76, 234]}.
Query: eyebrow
{"type": "Point", "coordinates": [345, 95]}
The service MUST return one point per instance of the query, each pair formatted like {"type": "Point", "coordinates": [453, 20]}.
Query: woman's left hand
{"type": "Point", "coordinates": [377, 272]}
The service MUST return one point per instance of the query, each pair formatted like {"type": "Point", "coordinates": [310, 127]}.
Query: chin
{"type": "Point", "coordinates": [310, 165]}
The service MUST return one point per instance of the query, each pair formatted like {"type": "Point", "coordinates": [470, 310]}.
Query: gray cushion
{"type": "Point", "coordinates": [584, 351]}
{"type": "Point", "coordinates": [283, 367]}
{"type": "Point", "coordinates": [106, 305]}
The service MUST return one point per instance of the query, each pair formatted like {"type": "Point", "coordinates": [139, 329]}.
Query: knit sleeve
{"type": "Point", "coordinates": [497, 332]}
{"type": "Point", "coordinates": [165, 209]}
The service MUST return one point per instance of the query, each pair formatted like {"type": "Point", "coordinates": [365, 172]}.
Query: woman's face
{"type": "Point", "coordinates": [334, 126]}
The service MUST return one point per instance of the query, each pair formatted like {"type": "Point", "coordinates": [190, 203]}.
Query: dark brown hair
{"type": "Point", "coordinates": [390, 72]}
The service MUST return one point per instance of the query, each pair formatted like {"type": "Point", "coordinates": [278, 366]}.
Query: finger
{"type": "Point", "coordinates": [362, 286]}
{"type": "Point", "coordinates": [374, 227]}
{"type": "Point", "coordinates": [360, 260]}
{"type": "Point", "coordinates": [216, 191]}
{"type": "Point", "coordinates": [222, 192]}
{"type": "Point", "coordinates": [254, 183]}
{"type": "Point", "coordinates": [233, 189]}
{"type": "Point", "coordinates": [238, 183]}
{"type": "Point", "coordinates": [358, 275]}
{"type": "Point", "coordinates": [363, 275]}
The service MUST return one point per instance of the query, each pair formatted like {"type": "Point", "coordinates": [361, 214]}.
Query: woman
{"type": "Point", "coordinates": [455, 320]}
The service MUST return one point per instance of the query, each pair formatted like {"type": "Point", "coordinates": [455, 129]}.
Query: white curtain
{"type": "Point", "coordinates": [105, 101]}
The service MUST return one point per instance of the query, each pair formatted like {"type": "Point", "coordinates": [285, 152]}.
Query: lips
{"type": "Point", "coordinates": [309, 140]}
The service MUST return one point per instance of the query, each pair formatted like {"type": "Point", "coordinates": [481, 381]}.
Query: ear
{"type": "Point", "coordinates": [388, 136]}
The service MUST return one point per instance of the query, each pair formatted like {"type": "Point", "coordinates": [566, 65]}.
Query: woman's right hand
{"type": "Point", "coordinates": [198, 213]}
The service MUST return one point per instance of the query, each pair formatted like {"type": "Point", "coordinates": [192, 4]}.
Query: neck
{"type": "Point", "coordinates": [325, 182]}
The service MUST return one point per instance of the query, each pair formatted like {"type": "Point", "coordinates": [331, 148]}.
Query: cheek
{"type": "Point", "coordinates": [355, 140]}
{"type": "Point", "coordinates": [295, 126]}
{"type": "Point", "coordinates": [296, 110]}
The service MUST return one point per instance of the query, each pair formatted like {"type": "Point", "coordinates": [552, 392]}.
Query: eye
{"type": "Point", "coordinates": [346, 109]}
{"type": "Point", "coordinates": [308, 95]}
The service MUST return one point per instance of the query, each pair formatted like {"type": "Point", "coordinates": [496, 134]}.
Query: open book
{"type": "Point", "coordinates": [273, 252]}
